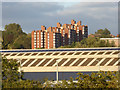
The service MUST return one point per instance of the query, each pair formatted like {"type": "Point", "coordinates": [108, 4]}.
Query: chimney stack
{"type": "Point", "coordinates": [79, 23]}
{"type": "Point", "coordinates": [43, 27]}
{"type": "Point", "coordinates": [73, 22]}
{"type": "Point", "coordinates": [58, 25]}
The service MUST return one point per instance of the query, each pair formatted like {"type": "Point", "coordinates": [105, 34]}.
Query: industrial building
{"type": "Point", "coordinates": [70, 59]}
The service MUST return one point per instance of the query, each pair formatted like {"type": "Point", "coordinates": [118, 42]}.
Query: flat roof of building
{"type": "Point", "coordinates": [109, 38]}
{"type": "Point", "coordinates": [60, 49]}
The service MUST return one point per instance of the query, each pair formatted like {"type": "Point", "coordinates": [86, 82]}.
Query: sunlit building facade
{"type": "Point", "coordinates": [54, 37]}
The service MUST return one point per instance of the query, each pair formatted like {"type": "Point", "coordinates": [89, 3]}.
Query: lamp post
{"type": "Point", "coordinates": [57, 70]}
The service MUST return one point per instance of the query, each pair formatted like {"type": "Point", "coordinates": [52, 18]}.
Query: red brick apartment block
{"type": "Point", "coordinates": [54, 37]}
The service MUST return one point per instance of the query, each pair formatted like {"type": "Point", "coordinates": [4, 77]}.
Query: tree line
{"type": "Point", "coordinates": [90, 42]}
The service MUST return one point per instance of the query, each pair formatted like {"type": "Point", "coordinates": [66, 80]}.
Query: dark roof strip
{"type": "Point", "coordinates": [59, 50]}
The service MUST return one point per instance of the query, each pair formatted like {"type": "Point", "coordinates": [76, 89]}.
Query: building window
{"type": "Point", "coordinates": [41, 36]}
{"type": "Point", "coordinates": [57, 29]}
{"type": "Point", "coordinates": [83, 28]}
{"type": "Point", "coordinates": [38, 35]}
{"type": "Point", "coordinates": [63, 31]}
{"type": "Point", "coordinates": [68, 26]}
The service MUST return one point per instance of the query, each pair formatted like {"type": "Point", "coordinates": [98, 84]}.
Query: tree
{"type": "Point", "coordinates": [11, 76]}
{"type": "Point", "coordinates": [103, 33]}
{"type": "Point", "coordinates": [13, 27]}
{"type": "Point", "coordinates": [10, 70]}
{"type": "Point", "coordinates": [14, 37]}
{"type": "Point", "coordinates": [12, 31]}
{"type": "Point", "coordinates": [22, 42]}
{"type": "Point", "coordinates": [106, 32]}
{"type": "Point", "coordinates": [100, 31]}
{"type": "Point", "coordinates": [100, 79]}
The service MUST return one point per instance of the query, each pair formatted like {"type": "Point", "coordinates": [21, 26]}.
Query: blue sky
{"type": "Point", "coordinates": [31, 15]}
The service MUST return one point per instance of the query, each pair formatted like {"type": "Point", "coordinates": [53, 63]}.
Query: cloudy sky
{"type": "Point", "coordinates": [31, 15]}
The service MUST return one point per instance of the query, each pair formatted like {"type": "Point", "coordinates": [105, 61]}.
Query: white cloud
{"type": "Point", "coordinates": [94, 10]}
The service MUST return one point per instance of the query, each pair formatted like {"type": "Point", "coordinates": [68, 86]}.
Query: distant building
{"type": "Point", "coordinates": [118, 35]}
{"type": "Point", "coordinates": [112, 36]}
{"type": "Point", "coordinates": [116, 40]}
{"type": "Point", "coordinates": [54, 37]}
{"type": "Point", "coordinates": [91, 35]}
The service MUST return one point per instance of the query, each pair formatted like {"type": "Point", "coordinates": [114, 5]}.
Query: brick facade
{"type": "Point", "coordinates": [54, 37]}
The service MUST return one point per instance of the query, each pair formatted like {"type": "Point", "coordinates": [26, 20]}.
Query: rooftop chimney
{"type": "Point", "coordinates": [79, 23]}
{"type": "Point", "coordinates": [43, 27]}
{"type": "Point", "coordinates": [58, 25]}
{"type": "Point", "coordinates": [73, 22]}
